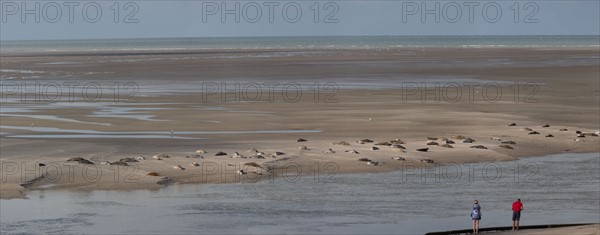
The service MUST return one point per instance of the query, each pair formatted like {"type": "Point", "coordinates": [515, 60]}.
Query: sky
{"type": "Point", "coordinates": [97, 19]}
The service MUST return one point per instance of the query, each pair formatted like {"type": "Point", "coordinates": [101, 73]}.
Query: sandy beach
{"type": "Point", "coordinates": [399, 96]}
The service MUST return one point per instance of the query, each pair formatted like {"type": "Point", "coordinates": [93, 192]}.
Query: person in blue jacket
{"type": "Point", "coordinates": [476, 216]}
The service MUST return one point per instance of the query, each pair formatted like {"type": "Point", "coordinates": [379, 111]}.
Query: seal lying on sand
{"type": "Point", "coordinates": [431, 142]}
{"type": "Point", "coordinates": [178, 167]}
{"type": "Point", "coordinates": [384, 144]}
{"type": "Point", "coordinates": [398, 146]}
{"type": "Point", "coordinates": [458, 137]}
{"type": "Point", "coordinates": [446, 146]}
{"type": "Point", "coordinates": [506, 146]}
{"type": "Point", "coordinates": [160, 156]}
{"type": "Point", "coordinates": [80, 160]}
{"type": "Point", "coordinates": [422, 149]}
{"type": "Point", "coordinates": [118, 163]}
{"type": "Point", "coordinates": [478, 147]}
{"type": "Point", "coordinates": [128, 159]}
{"type": "Point", "coordinates": [341, 143]}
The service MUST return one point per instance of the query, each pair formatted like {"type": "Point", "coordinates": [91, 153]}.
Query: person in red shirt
{"type": "Point", "coordinates": [517, 207]}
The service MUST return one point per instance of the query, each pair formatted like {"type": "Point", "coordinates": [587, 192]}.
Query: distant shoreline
{"type": "Point", "coordinates": [306, 43]}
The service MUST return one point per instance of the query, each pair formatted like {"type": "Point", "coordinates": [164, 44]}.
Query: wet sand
{"type": "Point", "coordinates": [375, 106]}
{"type": "Point", "coordinates": [578, 230]}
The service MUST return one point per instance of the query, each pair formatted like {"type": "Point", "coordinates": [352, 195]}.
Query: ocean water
{"type": "Point", "coordinates": [353, 42]}
{"type": "Point", "coordinates": [563, 188]}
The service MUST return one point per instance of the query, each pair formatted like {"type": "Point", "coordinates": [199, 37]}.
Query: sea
{"type": "Point", "coordinates": [298, 43]}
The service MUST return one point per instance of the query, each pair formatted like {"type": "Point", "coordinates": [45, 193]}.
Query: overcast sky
{"type": "Point", "coordinates": [189, 18]}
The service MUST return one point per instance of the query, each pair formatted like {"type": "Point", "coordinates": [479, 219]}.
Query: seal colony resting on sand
{"type": "Point", "coordinates": [395, 145]}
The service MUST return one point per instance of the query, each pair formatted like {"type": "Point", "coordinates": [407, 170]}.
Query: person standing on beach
{"type": "Point", "coordinates": [476, 216]}
{"type": "Point", "coordinates": [517, 207]}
